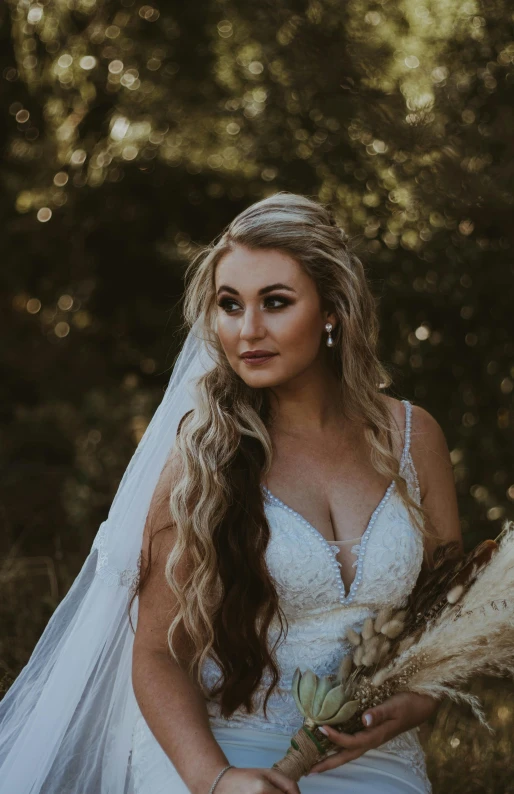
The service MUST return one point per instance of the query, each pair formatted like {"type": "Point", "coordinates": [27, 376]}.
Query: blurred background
{"type": "Point", "coordinates": [131, 134]}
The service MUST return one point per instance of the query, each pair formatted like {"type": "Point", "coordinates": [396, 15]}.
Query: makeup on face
{"type": "Point", "coordinates": [257, 360]}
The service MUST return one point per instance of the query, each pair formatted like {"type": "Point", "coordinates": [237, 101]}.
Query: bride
{"type": "Point", "coordinates": [277, 498]}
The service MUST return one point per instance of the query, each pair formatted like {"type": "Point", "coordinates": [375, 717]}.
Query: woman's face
{"type": "Point", "coordinates": [266, 302]}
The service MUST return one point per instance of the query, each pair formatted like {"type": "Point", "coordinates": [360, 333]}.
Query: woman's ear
{"type": "Point", "coordinates": [331, 317]}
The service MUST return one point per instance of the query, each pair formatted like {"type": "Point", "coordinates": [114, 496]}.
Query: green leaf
{"type": "Point", "coordinates": [323, 688]}
{"type": "Point", "coordinates": [307, 689]}
{"type": "Point", "coordinates": [332, 703]}
{"type": "Point", "coordinates": [294, 691]}
{"type": "Point", "coordinates": [345, 713]}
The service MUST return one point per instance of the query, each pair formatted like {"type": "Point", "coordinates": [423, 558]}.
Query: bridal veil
{"type": "Point", "coordinates": [66, 722]}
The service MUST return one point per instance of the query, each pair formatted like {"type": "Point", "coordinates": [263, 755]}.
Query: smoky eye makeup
{"type": "Point", "coordinates": [225, 302]}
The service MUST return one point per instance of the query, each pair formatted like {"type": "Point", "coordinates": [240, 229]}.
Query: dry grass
{"type": "Point", "coordinates": [29, 593]}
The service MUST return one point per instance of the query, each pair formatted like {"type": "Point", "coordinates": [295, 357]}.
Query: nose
{"type": "Point", "coordinates": [252, 326]}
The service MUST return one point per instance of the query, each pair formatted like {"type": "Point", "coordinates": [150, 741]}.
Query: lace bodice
{"type": "Point", "coordinates": [318, 610]}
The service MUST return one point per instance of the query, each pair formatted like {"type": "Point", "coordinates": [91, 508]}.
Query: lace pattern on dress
{"type": "Point", "coordinates": [407, 746]}
{"type": "Point", "coordinates": [361, 546]}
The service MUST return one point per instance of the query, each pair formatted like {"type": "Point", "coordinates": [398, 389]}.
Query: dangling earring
{"type": "Point", "coordinates": [330, 341]}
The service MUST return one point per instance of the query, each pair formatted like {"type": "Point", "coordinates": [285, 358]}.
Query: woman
{"type": "Point", "coordinates": [291, 413]}
{"type": "Point", "coordinates": [244, 498]}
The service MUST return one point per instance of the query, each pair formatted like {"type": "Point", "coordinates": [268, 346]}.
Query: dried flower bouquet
{"type": "Point", "coordinates": [458, 623]}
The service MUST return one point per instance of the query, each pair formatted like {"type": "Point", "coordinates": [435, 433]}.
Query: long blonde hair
{"type": "Point", "coordinates": [228, 601]}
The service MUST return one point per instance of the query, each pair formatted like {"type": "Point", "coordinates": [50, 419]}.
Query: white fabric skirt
{"type": "Point", "coordinates": [375, 771]}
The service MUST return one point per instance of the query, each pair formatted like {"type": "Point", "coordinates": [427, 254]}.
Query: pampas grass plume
{"type": "Point", "coordinates": [475, 637]}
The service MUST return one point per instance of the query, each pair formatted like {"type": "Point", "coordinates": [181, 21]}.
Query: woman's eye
{"type": "Point", "coordinates": [281, 301]}
{"type": "Point", "coordinates": [226, 302]}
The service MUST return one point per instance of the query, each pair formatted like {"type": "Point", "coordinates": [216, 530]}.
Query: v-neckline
{"type": "Point", "coordinates": [344, 597]}
{"type": "Point", "coordinates": [348, 597]}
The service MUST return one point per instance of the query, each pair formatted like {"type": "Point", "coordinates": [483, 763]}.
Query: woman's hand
{"type": "Point", "coordinates": [255, 781]}
{"type": "Point", "coordinates": [397, 714]}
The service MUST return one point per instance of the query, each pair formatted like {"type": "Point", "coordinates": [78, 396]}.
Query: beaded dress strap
{"type": "Point", "coordinates": [408, 425]}
{"type": "Point", "coordinates": [405, 453]}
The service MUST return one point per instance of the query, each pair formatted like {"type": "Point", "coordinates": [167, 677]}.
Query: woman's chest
{"type": "Point", "coordinates": [307, 573]}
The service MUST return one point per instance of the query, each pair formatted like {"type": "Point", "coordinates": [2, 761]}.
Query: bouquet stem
{"type": "Point", "coordinates": [308, 746]}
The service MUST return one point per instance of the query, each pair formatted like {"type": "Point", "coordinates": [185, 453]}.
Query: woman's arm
{"type": "Point", "coordinates": [407, 710]}
{"type": "Point", "coordinates": [171, 702]}
{"type": "Point", "coordinates": [177, 716]}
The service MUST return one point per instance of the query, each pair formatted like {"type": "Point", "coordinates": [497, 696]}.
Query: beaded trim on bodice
{"type": "Point", "coordinates": [361, 547]}
{"type": "Point", "coordinates": [312, 596]}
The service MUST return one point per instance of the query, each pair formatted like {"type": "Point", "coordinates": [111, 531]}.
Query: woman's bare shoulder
{"type": "Point", "coordinates": [396, 410]}
{"type": "Point", "coordinates": [432, 460]}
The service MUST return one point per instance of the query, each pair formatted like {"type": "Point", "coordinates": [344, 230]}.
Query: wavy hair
{"type": "Point", "coordinates": [228, 600]}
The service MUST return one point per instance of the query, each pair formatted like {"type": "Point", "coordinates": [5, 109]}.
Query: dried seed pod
{"type": "Point", "coordinates": [373, 643]}
{"type": "Point", "coordinates": [353, 637]}
{"type": "Point", "coordinates": [344, 669]}
{"type": "Point", "coordinates": [370, 657]}
{"type": "Point", "coordinates": [367, 629]}
{"type": "Point", "coordinates": [455, 593]}
{"type": "Point", "coordinates": [393, 629]}
{"type": "Point", "coordinates": [405, 644]}
{"type": "Point", "coordinates": [379, 677]}
{"type": "Point", "coordinates": [384, 616]}
{"type": "Point", "coordinates": [383, 649]}
{"type": "Point", "coordinates": [357, 656]}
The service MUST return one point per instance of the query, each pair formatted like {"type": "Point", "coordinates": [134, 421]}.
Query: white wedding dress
{"type": "Point", "coordinates": [307, 574]}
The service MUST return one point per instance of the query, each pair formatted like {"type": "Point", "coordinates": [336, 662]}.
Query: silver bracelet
{"type": "Point", "coordinates": [230, 766]}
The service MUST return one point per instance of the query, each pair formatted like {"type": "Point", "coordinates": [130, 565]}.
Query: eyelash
{"type": "Point", "coordinates": [224, 301]}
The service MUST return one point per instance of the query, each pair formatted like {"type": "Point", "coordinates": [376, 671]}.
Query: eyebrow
{"type": "Point", "coordinates": [262, 291]}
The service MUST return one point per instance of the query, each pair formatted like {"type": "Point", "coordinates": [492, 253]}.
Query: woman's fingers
{"type": "Point", "coordinates": [408, 709]}
{"type": "Point", "coordinates": [353, 745]}
{"type": "Point", "coordinates": [336, 759]}
{"type": "Point", "coordinates": [363, 740]}
{"type": "Point", "coordinates": [281, 782]}
{"type": "Point", "coordinates": [387, 710]}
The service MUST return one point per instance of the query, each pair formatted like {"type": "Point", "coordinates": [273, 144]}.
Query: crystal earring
{"type": "Point", "coordinates": [330, 341]}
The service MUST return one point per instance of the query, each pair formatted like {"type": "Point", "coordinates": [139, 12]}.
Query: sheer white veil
{"type": "Point", "coordinates": [66, 722]}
